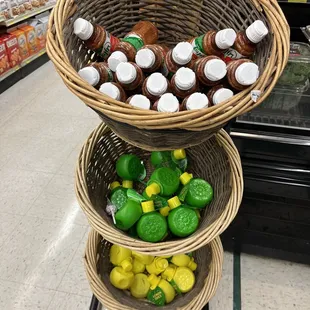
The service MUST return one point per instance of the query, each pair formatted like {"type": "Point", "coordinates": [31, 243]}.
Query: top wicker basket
{"type": "Point", "coordinates": [177, 21]}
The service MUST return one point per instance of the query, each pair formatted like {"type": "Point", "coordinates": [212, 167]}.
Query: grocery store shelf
{"type": "Point", "coordinates": [27, 15]}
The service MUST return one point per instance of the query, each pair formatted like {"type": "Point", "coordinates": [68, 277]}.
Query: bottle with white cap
{"type": "Point", "coordinates": [218, 94]}
{"type": "Point", "coordinates": [242, 73]}
{"type": "Point", "coordinates": [210, 70]}
{"type": "Point", "coordinates": [180, 56]}
{"type": "Point", "coordinates": [195, 101]}
{"type": "Point", "coordinates": [184, 83]}
{"type": "Point", "coordinates": [129, 76]}
{"type": "Point", "coordinates": [167, 103]}
{"type": "Point", "coordinates": [155, 86]}
{"type": "Point", "coordinates": [150, 58]}
{"type": "Point", "coordinates": [139, 101]}
{"type": "Point", "coordinates": [213, 42]}
{"type": "Point", "coordinates": [113, 90]}
{"type": "Point", "coordinates": [96, 73]}
{"type": "Point", "coordinates": [143, 33]}
{"type": "Point", "coordinates": [246, 41]}
{"type": "Point", "coordinates": [95, 37]}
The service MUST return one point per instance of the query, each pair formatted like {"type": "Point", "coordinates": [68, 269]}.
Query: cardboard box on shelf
{"type": "Point", "coordinates": [4, 60]}
{"type": "Point", "coordinates": [31, 38]}
{"type": "Point", "coordinates": [12, 49]}
{"type": "Point", "coordinates": [22, 42]}
{"type": "Point", "coordinates": [40, 32]}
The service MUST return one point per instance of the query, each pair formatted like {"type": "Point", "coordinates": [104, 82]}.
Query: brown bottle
{"type": "Point", "coordinates": [129, 76]}
{"type": "Point", "coordinates": [142, 34]}
{"type": "Point", "coordinates": [195, 101]}
{"type": "Point", "coordinates": [218, 94]}
{"type": "Point", "coordinates": [150, 58]}
{"type": "Point", "coordinates": [246, 41]}
{"type": "Point", "coordinates": [96, 74]}
{"type": "Point", "coordinates": [184, 83]}
{"type": "Point", "coordinates": [95, 37]}
{"type": "Point", "coordinates": [213, 43]}
{"type": "Point", "coordinates": [113, 90]}
{"type": "Point", "coordinates": [242, 73]}
{"type": "Point", "coordinates": [167, 103]}
{"type": "Point", "coordinates": [155, 86]}
{"type": "Point", "coordinates": [210, 70]}
{"type": "Point", "coordinates": [139, 101]}
{"type": "Point", "coordinates": [180, 56]}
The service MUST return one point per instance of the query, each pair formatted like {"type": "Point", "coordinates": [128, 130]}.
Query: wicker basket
{"type": "Point", "coordinates": [98, 267]}
{"type": "Point", "coordinates": [177, 21]}
{"type": "Point", "coordinates": [216, 160]}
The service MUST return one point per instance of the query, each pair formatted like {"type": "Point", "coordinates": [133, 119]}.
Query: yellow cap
{"type": "Point", "coordinates": [152, 189]}
{"type": "Point", "coordinates": [164, 211]}
{"type": "Point", "coordinates": [179, 154]}
{"type": "Point", "coordinates": [185, 178]}
{"type": "Point", "coordinates": [127, 184]}
{"type": "Point", "coordinates": [192, 265]}
{"type": "Point", "coordinates": [127, 264]}
{"type": "Point", "coordinates": [153, 280]}
{"type": "Point", "coordinates": [114, 185]}
{"type": "Point", "coordinates": [161, 263]}
{"type": "Point", "coordinates": [169, 273]}
{"type": "Point", "coordinates": [174, 202]}
{"type": "Point", "coordinates": [148, 206]}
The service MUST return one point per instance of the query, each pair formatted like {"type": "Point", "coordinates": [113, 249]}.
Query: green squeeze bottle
{"type": "Point", "coordinates": [198, 192]}
{"type": "Point", "coordinates": [164, 181]}
{"type": "Point", "coordinates": [130, 168]}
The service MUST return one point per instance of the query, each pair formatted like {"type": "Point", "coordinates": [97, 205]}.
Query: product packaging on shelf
{"type": "Point", "coordinates": [22, 42]}
{"type": "Point", "coordinates": [39, 31]}
{"type": "Point", "coordinates": [31, 38]}
{"type": "Point", "coordinates": [5, 12]}
{"type": "Point", "coordinates": [4, 60]}
{"type": "Point", "coordinates": [12, 48]}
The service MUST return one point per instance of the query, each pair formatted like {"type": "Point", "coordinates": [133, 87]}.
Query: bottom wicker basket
{"type": "Point", "coordinates": [98, 267]}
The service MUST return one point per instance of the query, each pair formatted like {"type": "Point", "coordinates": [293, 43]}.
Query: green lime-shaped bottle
{"type": "Point", "coordinates": [128, 215]}
{"type": "Point", "coordinates": [183, 221]}
{"type": "Point", "coordinates": [129, 167]}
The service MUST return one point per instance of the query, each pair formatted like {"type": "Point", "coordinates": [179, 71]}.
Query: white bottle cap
{"type": "Point", "coordinates": [182, 53]}
{"type": "Point", "coordinates": [126, 73]}
{"type": "Point", "coordinates": [247, 73]}
{"type": "Point", "coordinates": [83, 29]}
{"type": "Point", "coordinates": [140, 101]}
{"type": "Point", "coordinates": [257, 31]}
{"type": "Point", "coordinates": [110, 90]}
{"type": "Point", "coordinates": [145, 58]}
{"type": "Point", "coordinates": [197, 101]}
{"type": "Point", "coordinates": [215, 70]}
{"type": "Point", "coordinates": [157, 84]}
{"type": "Point", "coordinates": [168, 103]}
{"type": "Point", "coordinates": [90, 75]}
{"type": "Point", "coordinates": [115, 59]}
{"type": "Point", "coordinates": [185, 78]}
{"type": "Point", "coordinates": [226, 38]}
{"type": "Point", "coordinates": [221, 95]}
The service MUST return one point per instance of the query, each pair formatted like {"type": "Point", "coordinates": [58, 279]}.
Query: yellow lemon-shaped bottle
{"type": "Point", "coordinates": [144, 259]}
{"type": "Point", "coordinates": [157, 266]}
{"type": "Point", "coordinates": [120, 256]}
{"type": "Point", "coordinates": [137, 266]}
{"type": "Point", "coordinates": [140, 286]}
{"type": "Point", "coordinates": [183, 260]}
{"type": "Point", "coordinates": [120, 278]}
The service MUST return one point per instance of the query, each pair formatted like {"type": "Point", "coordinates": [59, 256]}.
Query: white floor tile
{"type": "Point", "coordinates": [20, 188]}
{"type": "Point", "coordinates": [65, 301]}
{"type": "Point", "coordinates": [58, 202]}
{"type": "Point", "coordinates": [17, 296]}
{"type": "Point", "coordinates": [223, 300]}
{"type": "Point", "coordinates": [39, 251]}
{"type": "Point", "coordinates": [274, 284]}
{"type": "Point", "coordinates": [8, 222]}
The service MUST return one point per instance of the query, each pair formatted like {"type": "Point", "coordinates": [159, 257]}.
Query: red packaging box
{"type": "Point", "coordinates": [12, 49]}
{"type": "Point", "coordinates": [4, 60]}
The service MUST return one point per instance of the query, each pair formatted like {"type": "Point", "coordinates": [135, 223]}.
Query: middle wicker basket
{"type": "Point", "coordinates": [216, 160]}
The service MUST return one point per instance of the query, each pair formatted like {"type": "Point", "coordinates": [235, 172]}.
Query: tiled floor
{"type": "Point", "coordinates": [42, 230]}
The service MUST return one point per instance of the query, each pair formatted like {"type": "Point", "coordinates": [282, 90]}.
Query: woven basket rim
{"type": "Point", "coordinates": [106, 298]}
{"type": "Point", "coordinates": [191, 243]}
{"type": "Point", "coordinates": [189, 120]}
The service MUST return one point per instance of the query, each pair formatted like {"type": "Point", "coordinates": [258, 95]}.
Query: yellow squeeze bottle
{"type": "Point", "coordinates": [144, 259]}
{"type": "Point", "coordinates": [181, 278]}
{"type": "Point", "coordinates": [140, 286]}
{"type": "Point", "coordinates": [157, 266]}
{"type": "Point", "coordinates": [120, 278]}
{"type": "Point", "coordinates": [120, 256]}
{"type": "Point", "coordinates": [183, 260]}
{"type": "Point", "coordinates": [161, 292]}
{"type": "Point", "coordinates": [137, 266]}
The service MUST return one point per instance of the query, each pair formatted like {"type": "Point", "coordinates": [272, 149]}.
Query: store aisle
{"type": "Point", "coordinates": [43, 232]}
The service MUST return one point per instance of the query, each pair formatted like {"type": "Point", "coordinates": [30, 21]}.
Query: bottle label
{"type": "Point", "coordinates": [176, 288]}
{"type": "Point", "coordinates": [135, 41]}
{"type": "Point", "coordinates": [110, 75]}
{"type": "Point", "coordinates": [165, 72]}
{"type": "Point", "coordinates": [106, 48]}
{"type": "Point", "coordinates": [231, 54]}
{"type": "Point", "coordinates": [197, 44]}
{"type": "Point", "coordinates": [157, 297]}
{"type": "Point", "coordinates": [184, 192]}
